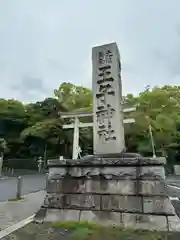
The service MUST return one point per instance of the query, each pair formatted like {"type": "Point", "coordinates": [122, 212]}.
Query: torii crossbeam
{"type": "Point", "coordinates": [77, 124]}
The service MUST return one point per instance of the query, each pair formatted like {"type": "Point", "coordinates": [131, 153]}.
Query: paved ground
{"type": "Point", "coordinates": [173, 191]}
{"type": "Point", "coordinates": [31, 183]}
{"type": "Point", "coordinates": [13, 212]}
{"type": "Point", "coordinates": [35, 182]}
{"type": "Point", "coordinates": [173, 180]}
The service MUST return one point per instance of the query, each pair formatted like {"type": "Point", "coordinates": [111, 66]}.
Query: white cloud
{"type": "Point", "coordinates": [50, 42]}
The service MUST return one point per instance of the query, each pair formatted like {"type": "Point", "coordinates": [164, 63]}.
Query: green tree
{"type": "Point", "coordinates": [74, 97]}
{"type": "Point", "coordinates": [12, 122]}
{"type": "Point", "coordinates": [49, 108]}
{"type": "Point", "coordinates": [47, 138]}
{"type": "Point", "coordinates": [157, 108]}
{"type": "Point", "coordinates": [36, 128]}
{"type": "Point", "coordinates": [44, 133]}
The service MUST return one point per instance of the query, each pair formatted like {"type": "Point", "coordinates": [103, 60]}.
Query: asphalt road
{"type": "Point", "coordinates": [173, 186]}
{"type": "Point", "coordinates": [30, 183]}
{"type": "Point", "coordinates": [174, 194]}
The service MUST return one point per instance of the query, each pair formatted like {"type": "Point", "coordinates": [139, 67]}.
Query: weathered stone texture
{"type": "Point", "coordinates": [121, 203]}
{"type": "Point", "coordinates": [102, 217]}
{"type": "Point", "coordinates": [73, 185]}
{"type": "Point", "coordinates": [82, 201]}
{"type": "Point", "coordinates": [150, 187]}
{"type": "Point", "coordinates": [110, 172]}
{"type": "Point", "coordinates": [158, 205]}
{"type": "Point", "coordinates": [151, 222]}
{"type": "Point", "coordinates": [91, 171]}
{"type": "Point", "coordinates": [54, 186]}
{"type": "Point", "coordinates": [173, 223]}
{"type": "Point", "coordinates": [57, 172]}
{"type": "Point", "coordinates": [131, 195]}
{"type": "Point", "coordinates": [155, 172]}
{"type": "Point", "coordinates": [106, 71]}
{"type": "Point", "coordinates": [54, 215]}
{"type": "Point", "coordinates": [119, 172]}
{"type": "Point", "coordinates": [53, 200]}
{"type": "Point", "coordinates": [105, 186]}
{"type": "Point", "coordinates": [108, 161]}
{"type": "Point", "coordinates": [127, 220]}
{"type": "Point", "coordinates": [177, 170]}
{"type": "Point", "coordinates": [75, 172]}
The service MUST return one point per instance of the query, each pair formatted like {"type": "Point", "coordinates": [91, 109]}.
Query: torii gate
{"type": "Point", "coordinates": [77, 124]}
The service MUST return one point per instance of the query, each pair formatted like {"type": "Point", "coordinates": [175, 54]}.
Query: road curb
{"type": "Point", "coordinates": [43, 190]}
{"type": "Point", "coordinates": [173, 186]}
{"type": "Point", "coordinates": [174, 198]}
{"type": "Point", "coordinates": [21, 223]}
{"type": "Point", "coordinates": [23, 196]}
{"type": "Point", "coordinates": [6, 178]}
{"type": "Point", "coordinates": [7, 231]}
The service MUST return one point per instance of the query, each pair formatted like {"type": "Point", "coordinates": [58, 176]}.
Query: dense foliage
{"type": "Point", "coordinates": [35, 129]}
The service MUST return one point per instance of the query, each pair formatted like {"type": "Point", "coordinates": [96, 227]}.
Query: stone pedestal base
{"type": "Point", "coordinates": [177, 170]}
{"type": "Point", "coordinates": [129, 192]}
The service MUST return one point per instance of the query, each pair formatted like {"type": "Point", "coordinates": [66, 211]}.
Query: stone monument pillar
{"type": "Point", "coordinates": [107, 100]}
{"type": "Point", "coordinates": [109, 187]}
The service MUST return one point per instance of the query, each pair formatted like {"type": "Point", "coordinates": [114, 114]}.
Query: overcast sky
{"type": "Point", "coordinates": [46, 42]}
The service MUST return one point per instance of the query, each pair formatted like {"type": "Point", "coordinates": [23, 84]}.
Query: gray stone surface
{"type": "Point", "coordinates": [126, 187]}
{"type": "Point", "coordinates": [177, 170]}
{"type": "Point", "coordinates": [102, 192]}
{"type": "Point", "coordinates": [123, 186]}
{"type": "Point", "coordinates": [54, 215]}
{"type": "Point", "coordinates": [56, 172]}
{"type": "Point", "coordinates": [134, 161]}
{"type": "Point", "coordinates": [54, 186]}
{"type": "Point", "coordinates": [119, 172]}
{"type": "Point", "coordinates": [106, 161]}
{"type": "Point", "coordinates": [127, 220]}
{"type": "Point", "coordinates": [149, 187]}
{"type": "Point", "coordinates": [108, 136]}
{"type": "Point", "coordinates": [104, 218]}
{"type": "Point", "coordinates": [153, 172]}
{"type": "Point", "coordinates": [82, 201]}
{"type": "Point", "coordinates": [151, 222]}
{"type": "Point", "coordinates": [158, 205]}
{"type": "Point", "coordinates": [53, 200]}
{"type": "Point", "coordinates": [91, 171]}
{"type": "Point", "coordinates": [174, 223]}
{"type": "Point", "coordinates": [122, 203]}
{"type": "Point", "coordinates": [130, 172]}
{"type": "Point", "coordinates": [65, 186]}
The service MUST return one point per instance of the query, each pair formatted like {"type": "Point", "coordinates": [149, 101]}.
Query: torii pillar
{"type": "Point", "coordinates": [77, 124]}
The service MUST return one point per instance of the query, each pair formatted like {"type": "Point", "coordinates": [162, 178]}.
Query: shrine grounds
{"type": "Point", "coordinates": [67, 230]}
{"type": "Point", "coordinates": [86, 231]}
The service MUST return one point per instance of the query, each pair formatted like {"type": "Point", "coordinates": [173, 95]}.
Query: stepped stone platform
{"type": "Point", "coordinates": [128, 191]}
